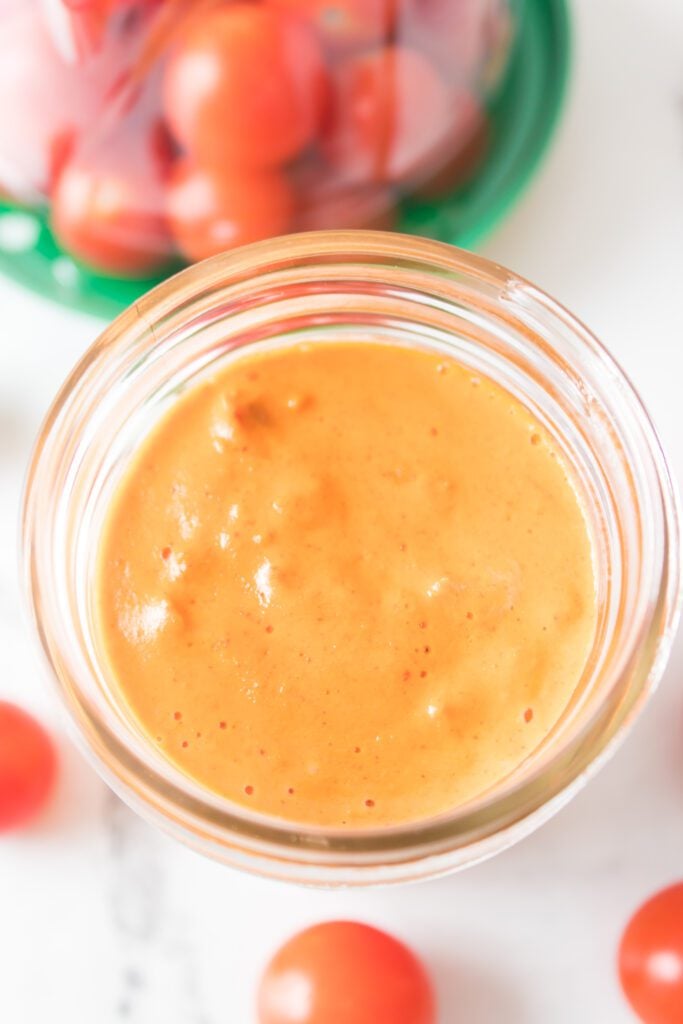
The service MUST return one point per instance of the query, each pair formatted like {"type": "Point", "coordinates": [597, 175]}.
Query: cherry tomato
{"type": "Point", "coordinates": [28, 766]}
{"type": "Point", "coordinates": [342, 972]}
{"type": "Point", "coordinates": [343, 24]}
{"type": "Point", "coordinates": [453, 33]}
{"type": "Point", "coordinates": [368, 207]}
{"type": "Point", "coordinates": [651, 958]}
{"type": "Point", "coordinates": [390, 112]}
{"type": "Point", "coordinates": [108, 207]}
{"type": "Point", "coordinates": [466, 150]}
{"type": "Point", "coordinates": [246, 86]}
{"type": "Point", "coordinates": [108, 217]}
{"type": "Point", "coordinates": [325, 201]}
{"type": "Point", "coordinates": [210, 212]}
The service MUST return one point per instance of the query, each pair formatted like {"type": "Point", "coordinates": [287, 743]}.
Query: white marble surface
{"type": "Point", "coordinates": [104, 921]}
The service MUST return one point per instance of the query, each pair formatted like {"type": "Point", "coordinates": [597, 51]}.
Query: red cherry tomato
{"type": "Point", "coordinates": [27, 766]}
{"type": "Point", "coordinates": [453, 33]}
{"type": "Point", "coordinates": [109, 203]}
{"type": "Point", "coordinates": [651, 958]}
{"type": "Point", "coordinates": [343, 24]}
{"type": "Point", "coordinates": [368, 207]}
{"type": "Point", "coordinates": [210, 213]}
{"type": "Point", "coordinates": [326, 202]}
{"type": "Point", "coordinates": [390, 112]}
{"type": "Point", "coordinates": [466, 150]}
{"type": "Point", "coordinates": [246, 86]}
{"type": "Point", "coordinates": [108, 207]}
{"type": "Point", "coordinates": [342, 972]}
{"type": "Point", "coordinates": [110, 218]}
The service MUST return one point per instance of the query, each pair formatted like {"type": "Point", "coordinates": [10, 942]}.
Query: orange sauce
{"type": "Point", "coordinates": [346, 584]}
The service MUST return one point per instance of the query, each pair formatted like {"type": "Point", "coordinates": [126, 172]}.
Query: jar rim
{"type": "Point", "coordinates": [289, 849]}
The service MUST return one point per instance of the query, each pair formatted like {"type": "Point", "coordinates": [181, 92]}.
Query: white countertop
{"type": "Point", "coordinates": [105, 921]}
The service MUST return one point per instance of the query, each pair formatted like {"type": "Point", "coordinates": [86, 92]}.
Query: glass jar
{"type": "Point", "coordinates": [341, 285]}
{"type": "Point", "coordinates": [154, 132]}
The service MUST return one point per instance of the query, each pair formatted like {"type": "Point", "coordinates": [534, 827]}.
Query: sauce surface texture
{"type": "Point", "coordinates": [346, 584]}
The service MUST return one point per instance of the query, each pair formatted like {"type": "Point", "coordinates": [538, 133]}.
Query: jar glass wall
{"type": "Point", "coordinates": [378, 287]}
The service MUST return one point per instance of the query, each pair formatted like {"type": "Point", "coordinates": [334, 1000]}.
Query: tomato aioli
{"type": "Point", "coordinates": [347, 584]}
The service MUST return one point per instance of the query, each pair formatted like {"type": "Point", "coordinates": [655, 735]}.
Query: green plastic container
{"type": "Point", "coordinates": [523, 116]}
